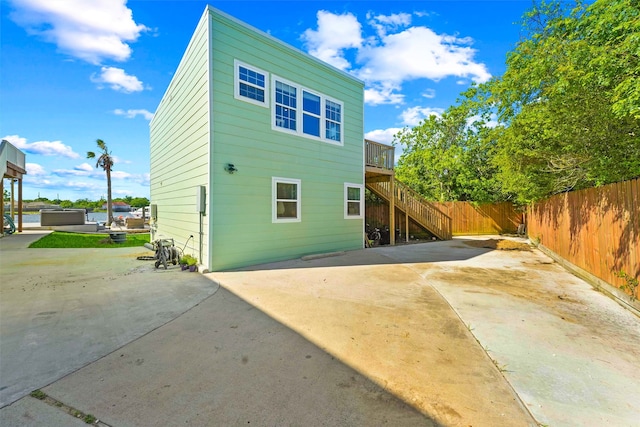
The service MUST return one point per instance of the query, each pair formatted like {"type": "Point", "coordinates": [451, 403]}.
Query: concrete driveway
{"type": "Point", "coordinates": [61, 309]}
{"type": "Point", "coordinates": [434, 334]}
{"type": "Point", "coordinates": [403, 316]}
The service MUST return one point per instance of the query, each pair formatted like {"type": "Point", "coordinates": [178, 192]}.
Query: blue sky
{"type": "Point", "coordinates": [72, 71]}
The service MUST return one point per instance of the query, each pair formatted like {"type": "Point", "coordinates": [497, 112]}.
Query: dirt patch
{"type": "Point", "coordinates": [499, 244]}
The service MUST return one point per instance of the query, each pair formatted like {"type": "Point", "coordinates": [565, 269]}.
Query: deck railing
{"type": "Point", "coordinates": [420, 210]}
{"type": "Point", "coordinates": [379, 155]}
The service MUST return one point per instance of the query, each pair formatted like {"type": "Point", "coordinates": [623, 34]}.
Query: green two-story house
{"type": "Point", "coordinates": [256, 150]}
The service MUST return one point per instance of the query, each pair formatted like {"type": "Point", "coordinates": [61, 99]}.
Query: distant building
{"type": "Point", "coordinates": [36, 206]}
{"type": "Point", "coordinates": [118, 207]}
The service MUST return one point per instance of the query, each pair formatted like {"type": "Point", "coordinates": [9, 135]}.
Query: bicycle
{"type": "Point", "coordinates": [374, 235]}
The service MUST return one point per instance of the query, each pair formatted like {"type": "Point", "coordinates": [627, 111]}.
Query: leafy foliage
{"type": "Point", "coordinates": [566, 113]}
{"type": "Point", "coordinates": [568, 117]}
{"type": "Point", "coordinates": [448, 157]}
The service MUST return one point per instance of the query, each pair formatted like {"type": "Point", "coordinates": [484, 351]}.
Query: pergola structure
{"type": "Point", "coordinates": [12, 166]}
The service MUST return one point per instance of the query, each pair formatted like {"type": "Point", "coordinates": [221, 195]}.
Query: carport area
{"type": "Point", "coordinates": [442, 334]}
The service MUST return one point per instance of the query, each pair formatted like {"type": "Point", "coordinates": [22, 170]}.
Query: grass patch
{"type": "Point", "coordinates": [61, 239]}
{"type": "Point", "coordinates": [38, 394]}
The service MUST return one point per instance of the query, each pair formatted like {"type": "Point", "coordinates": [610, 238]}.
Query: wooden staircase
{"type": "Point", "coordinates": [415, 206]}
{"type": "Point", "coordinates": [379, 179]}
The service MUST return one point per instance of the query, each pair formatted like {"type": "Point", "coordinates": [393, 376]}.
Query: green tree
{"type": "Point", "coordinates": [448, 157]}
{"type": "Point", "coordinates": [83, 203]}
{"type": "Point", "coordinates": [104, 161]}
{"type": "Point", "coordinates": [139, 202]}
{"type": "Point", "coordinates": [568, 104]}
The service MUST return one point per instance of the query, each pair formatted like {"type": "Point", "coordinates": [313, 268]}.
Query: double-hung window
{"type": "Point", "coordinates": [305, 112]}
{"type": "Point", "coordinates": [311, 109]}
{"type": "Point", "coordinates": [286, 103]}
{"type": "Point", "coordinates": [251, 84]}
{"type": "Point", "coordinates": [286, 199]}
{"type": "Point", "coordinates": [333, 116]}
{"type": "Point", "coordinates": [353, 201]}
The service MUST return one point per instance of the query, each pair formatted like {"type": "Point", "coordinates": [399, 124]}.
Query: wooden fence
{"type": "Point", "coordinates": [466, 219]}
{"type": "Point", "coordinates": [492, 218]}
{"type": "Point", "coordinates": [596, 229]}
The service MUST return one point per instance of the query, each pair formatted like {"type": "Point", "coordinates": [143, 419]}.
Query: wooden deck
{"type": "Point", "coordinates": [379, 158]}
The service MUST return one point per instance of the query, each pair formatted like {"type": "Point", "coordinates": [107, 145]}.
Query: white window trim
{"type": "Point", "coordinates": [341, 123]}
{"type": "Point", "coordinates": [273, 106]}
{"type": "Point", "coordinates": [274, 199]}
{"type": "Point", "coordinates": [236, 82]}
{"type": "Point", "coordinates": [300, 112]}
{"type": "Point", "coordinates": [348, 185]}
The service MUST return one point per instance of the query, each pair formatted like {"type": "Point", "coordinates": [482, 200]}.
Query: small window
{"type": "Point", "coordinates": [251, 84]}
{"type": "Point", "coordinates": [333, 115]}
{"type": "Point", "coordinates": [286, 199]}
{"type": "Point", "coordinates": [353, 201]}
{"type": "Point", "coordinates": [286, 105]}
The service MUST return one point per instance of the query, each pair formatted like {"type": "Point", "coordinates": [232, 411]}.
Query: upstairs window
{"type": "Point", "coordinates": [333, 116]}
{"type": "Point", "coordinates": [311, 109]}
{"type": "Point", "coordinates": [251, 84]}
{"type": "Point", "coordinates": [286, 106]}
{"type": "Point", "coordinates": [306, 113]}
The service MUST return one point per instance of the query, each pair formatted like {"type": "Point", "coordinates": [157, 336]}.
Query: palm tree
{"type": "Point", "coordinates": [105, 161]}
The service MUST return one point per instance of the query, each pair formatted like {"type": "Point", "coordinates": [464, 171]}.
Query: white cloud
{"type": "Point", "coordinates": [118, 80]}
{"type": "Point", "coordinates": [130, 114]}
{"type": "Point", "coordinates": [414, 115]}
{"type": "Point", "coordinates": [382, 94]}
{"type": "Point", "coordinates": [123, 192]}
{"type": "Point", "coordinates": [35, 169]}
{"type": "Point", "coordinates": [385, 23]}
{"type": "Point", "coordinates": [89, 30]}
{"type": "Point", "coordinates": [120, 175]}
{"type": "Point", "coordinates": [119, 160]}
{"type": "Point", "coordinates": [72, 172]}
{"type": "Point", "coordinates": [397, 53]}
{"type": "Point", "coordinates": [84, 167]}
{"type": "Point", "coordinates": [44, 148]}
{"type": "Point", "coordinates": [419, 52]}
{"type": "Point", "coordinates": [81, 186]}
{"type": "Point", "coordinates": [335, 33]}
{"type": "Point", "coordinates": [429, 93]}
{"type": "Point", "coordinates": [384, 136]}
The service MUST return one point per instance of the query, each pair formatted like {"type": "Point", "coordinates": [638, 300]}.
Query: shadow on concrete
{"type": "Point", "coordinates": [225, 362]}
{"type": "Point", "coordinates": [431, 252]}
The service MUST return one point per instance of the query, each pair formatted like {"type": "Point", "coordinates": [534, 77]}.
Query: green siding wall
{"type": "Point", "coordinates": [199, 127]}
{"type": "Point", "coordinates": [180, 147]}
{"type": "Point", "coordinates": [241, 203]}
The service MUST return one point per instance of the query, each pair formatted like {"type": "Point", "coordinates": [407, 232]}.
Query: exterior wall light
{"type": "Point", "coordinates": [230, 168]}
